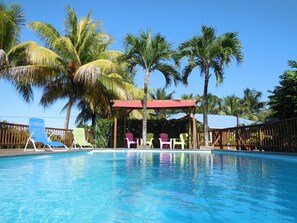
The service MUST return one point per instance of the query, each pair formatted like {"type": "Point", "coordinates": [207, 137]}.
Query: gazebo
{"type": "Point", "coordinates": [188, 106]}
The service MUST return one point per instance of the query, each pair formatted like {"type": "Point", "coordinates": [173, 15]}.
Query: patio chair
{"type": "Point", "coordinates": [79, 139]}
{"type": "Point", "coordinates": [149, 140]}
{"type": "Point", "coordinates": [165, 141]}
{"type": "Point", "coordinates": [183, 137]}
{"type": "Point", "coordinates": [38, 135]}
{"type": "Point", "coordinates": [130, 140]}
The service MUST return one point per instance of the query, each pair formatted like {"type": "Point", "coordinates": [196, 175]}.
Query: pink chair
{"type": "Point", "coordinates": [165, 141]}
{"type": "Point", "coordinates": [130, 140]}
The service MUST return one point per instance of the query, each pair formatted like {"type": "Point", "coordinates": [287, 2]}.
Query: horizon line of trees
{"type": "Point", "coordinates": [79, 67]}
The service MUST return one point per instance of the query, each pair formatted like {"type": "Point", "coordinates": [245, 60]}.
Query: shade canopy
{"type": "Point", "coordinates": [154, 104]}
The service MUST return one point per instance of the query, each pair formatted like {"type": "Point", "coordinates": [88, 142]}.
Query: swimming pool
{"type": "Point", "coordinates": [132, 186]}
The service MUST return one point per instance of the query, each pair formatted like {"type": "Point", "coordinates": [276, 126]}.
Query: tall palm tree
{"type": "Point", "coordinates": [66, 63]}
{"type": "Point", "coordinates": [251, 104]}
{"type": "Point", "coordinates": [150, 53]}
{"type": "Point", "coordinates": [11, 22]}
{"type": "Point", "coordinates": [210, 52]}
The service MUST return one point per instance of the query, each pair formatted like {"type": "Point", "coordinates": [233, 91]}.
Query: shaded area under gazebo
{"type": "Point", "coordinates": [188, 106]}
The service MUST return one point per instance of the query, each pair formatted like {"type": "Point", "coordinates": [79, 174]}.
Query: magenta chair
{"type": "Point", "coordinates": [130, 140]}
{"type": "Point", "coordinates": [165, 141]}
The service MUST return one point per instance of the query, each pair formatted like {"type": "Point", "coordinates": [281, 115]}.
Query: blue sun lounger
{"type": "Point", "coordinates": [38, 135]}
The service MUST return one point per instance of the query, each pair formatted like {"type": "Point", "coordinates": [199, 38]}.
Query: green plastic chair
{"type": "Point", "coordinates": [183, 139]}
{"type": "Point", "coordinates": [149, 140]}
{"type": "Point", "coordinates": [79, 138]}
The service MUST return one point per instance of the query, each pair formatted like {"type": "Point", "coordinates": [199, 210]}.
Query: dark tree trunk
{"type": "Point", "coordinates": [205, 108]}
{"type": "Point", "coordinates": [144, 106]}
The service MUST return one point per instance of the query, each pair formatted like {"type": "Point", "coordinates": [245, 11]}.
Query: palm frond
{"type": "Point", "coordinates": [71, 24]}
{"type": "Point", "coordinates": [46, 32]}
{"type": "Point", "coordinates": [66, 50]}
{"type": "Point", "coordinates": [90, 72]}
{"type": "Point", "coordinates": [33, 54]}
{"type": "Point", "coordinates": [37, 75]}
{"type": "Point", "coordinates": [170, 73]}
{"type": "Point", "coordinates": [12, 20]}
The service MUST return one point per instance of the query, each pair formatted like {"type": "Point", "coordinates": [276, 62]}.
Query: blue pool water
{"type": "Point", "coordinates": [148, 187]}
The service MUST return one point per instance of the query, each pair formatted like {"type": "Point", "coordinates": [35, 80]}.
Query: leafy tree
{"type": "Point", "coordinates": [214, 104]}
{"type": "Point", "coordinates": [67, 64]}
{"type": "Point", "coordinates": [209, 52]}
{"type": "Point", "coordinates": [150, 53]}
{"type": "Point", "coordinates": [231, 106]}
{"type": "Point", "coordinates": [11, 22]}
{"type": "Point", "coordinates": [190, 96]}
{"type": "Point", "coordinates": [251, 104]}
{"type": "Point", "coordinates": [283, 99]}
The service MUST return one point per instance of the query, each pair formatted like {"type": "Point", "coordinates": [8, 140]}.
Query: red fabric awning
{"type": "Point", "coordinates": [154, 104]}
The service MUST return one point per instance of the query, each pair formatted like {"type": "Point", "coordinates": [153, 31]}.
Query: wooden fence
{"type": "Point", "coordinates": [16, 135]}
{"type": "Point", "coordinates": [278, 136]}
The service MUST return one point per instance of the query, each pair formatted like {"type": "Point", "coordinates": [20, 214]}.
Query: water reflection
{"type": "Point", "coordinates": [215, 181]}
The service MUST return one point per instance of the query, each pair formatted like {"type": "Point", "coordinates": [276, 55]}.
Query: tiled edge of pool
{"type": "Point", "coordinates": [20, 152]}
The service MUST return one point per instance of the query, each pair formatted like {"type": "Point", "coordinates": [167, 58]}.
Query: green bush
{"type": "Point", "coordinates": [102, 133]}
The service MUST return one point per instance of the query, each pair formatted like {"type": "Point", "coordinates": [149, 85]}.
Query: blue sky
{"type": "Point", "coordinates": [266, 28]}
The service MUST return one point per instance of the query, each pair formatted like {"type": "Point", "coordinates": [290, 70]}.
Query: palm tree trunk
{"type": "Point", "coordinates": [69, 106]}
{"type": "Point", "coordinates": [205, 108]}
{"type": "Point", "coordinates": [94, 120]}
{"type": "Point", "coordinates": [144, 106]}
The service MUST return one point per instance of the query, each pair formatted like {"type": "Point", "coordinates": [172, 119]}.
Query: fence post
{"type": "Point", "coordinates": [221, 138]}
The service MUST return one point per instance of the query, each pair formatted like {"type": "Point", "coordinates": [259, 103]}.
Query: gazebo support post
{"type": "Point", "coordinates": [190, 132]}
{"type": "Point", "coordinates": [115, 126]}
{"type": "Point", "coordinates": [125, 125]}
{"type": "Point", "coordinates": [194, 132]}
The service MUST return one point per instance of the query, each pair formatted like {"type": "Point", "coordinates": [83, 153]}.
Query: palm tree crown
{"type": "Point", "coordinates": [150, 53]}
{"type": "Point", "coordinates": [11, 20]}
{"type": "Point", "coordinates": [209, 52]}
{"type": "Point", "coordinates": [67, 64]}
{"type": "Point", "coordinates": [251, 104]}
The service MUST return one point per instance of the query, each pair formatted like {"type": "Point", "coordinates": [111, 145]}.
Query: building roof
{"type": "Point", "coordinates": [154, 104]}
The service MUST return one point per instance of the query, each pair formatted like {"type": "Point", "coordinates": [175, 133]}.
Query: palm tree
{"type": "Point", "coordinates": [160, 94]}
{"type": "Point", "coordinates": [231, 106]}
{"type": "Point", "coordinates": [66, 63]}
{"type": "Point", "coordinates": [251, 104]}
{"type": "Point", "coordinates": [190, 96]}
{"type": "Point", "coordinates": [150, 53]}
{"type": "Point", "coordinates": [214, 104]}
{"type": "Point", "coordinates": [97, 100]}
{"type": "Point", "coordinates": [11, 22]}
{"type": "Point", "coordinates": [210, 52]}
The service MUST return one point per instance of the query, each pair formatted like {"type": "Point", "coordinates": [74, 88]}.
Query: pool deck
{"type": "Point", "coordinates": [21, 152]}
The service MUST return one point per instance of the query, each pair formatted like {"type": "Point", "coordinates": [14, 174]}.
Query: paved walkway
{"type": "Point", "coordinates": [20, 152]}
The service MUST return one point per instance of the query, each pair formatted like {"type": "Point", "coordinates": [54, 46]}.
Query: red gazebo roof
{"type": "Point", "coordinates": [154, 104]}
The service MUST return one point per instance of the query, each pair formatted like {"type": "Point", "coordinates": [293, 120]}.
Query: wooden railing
{"type": "Point", "coordinates": [280, 136]}
{"type": "Point", "coordinates": [16, 135]}
{"type": "Point", "coordinates": [273, 136]}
